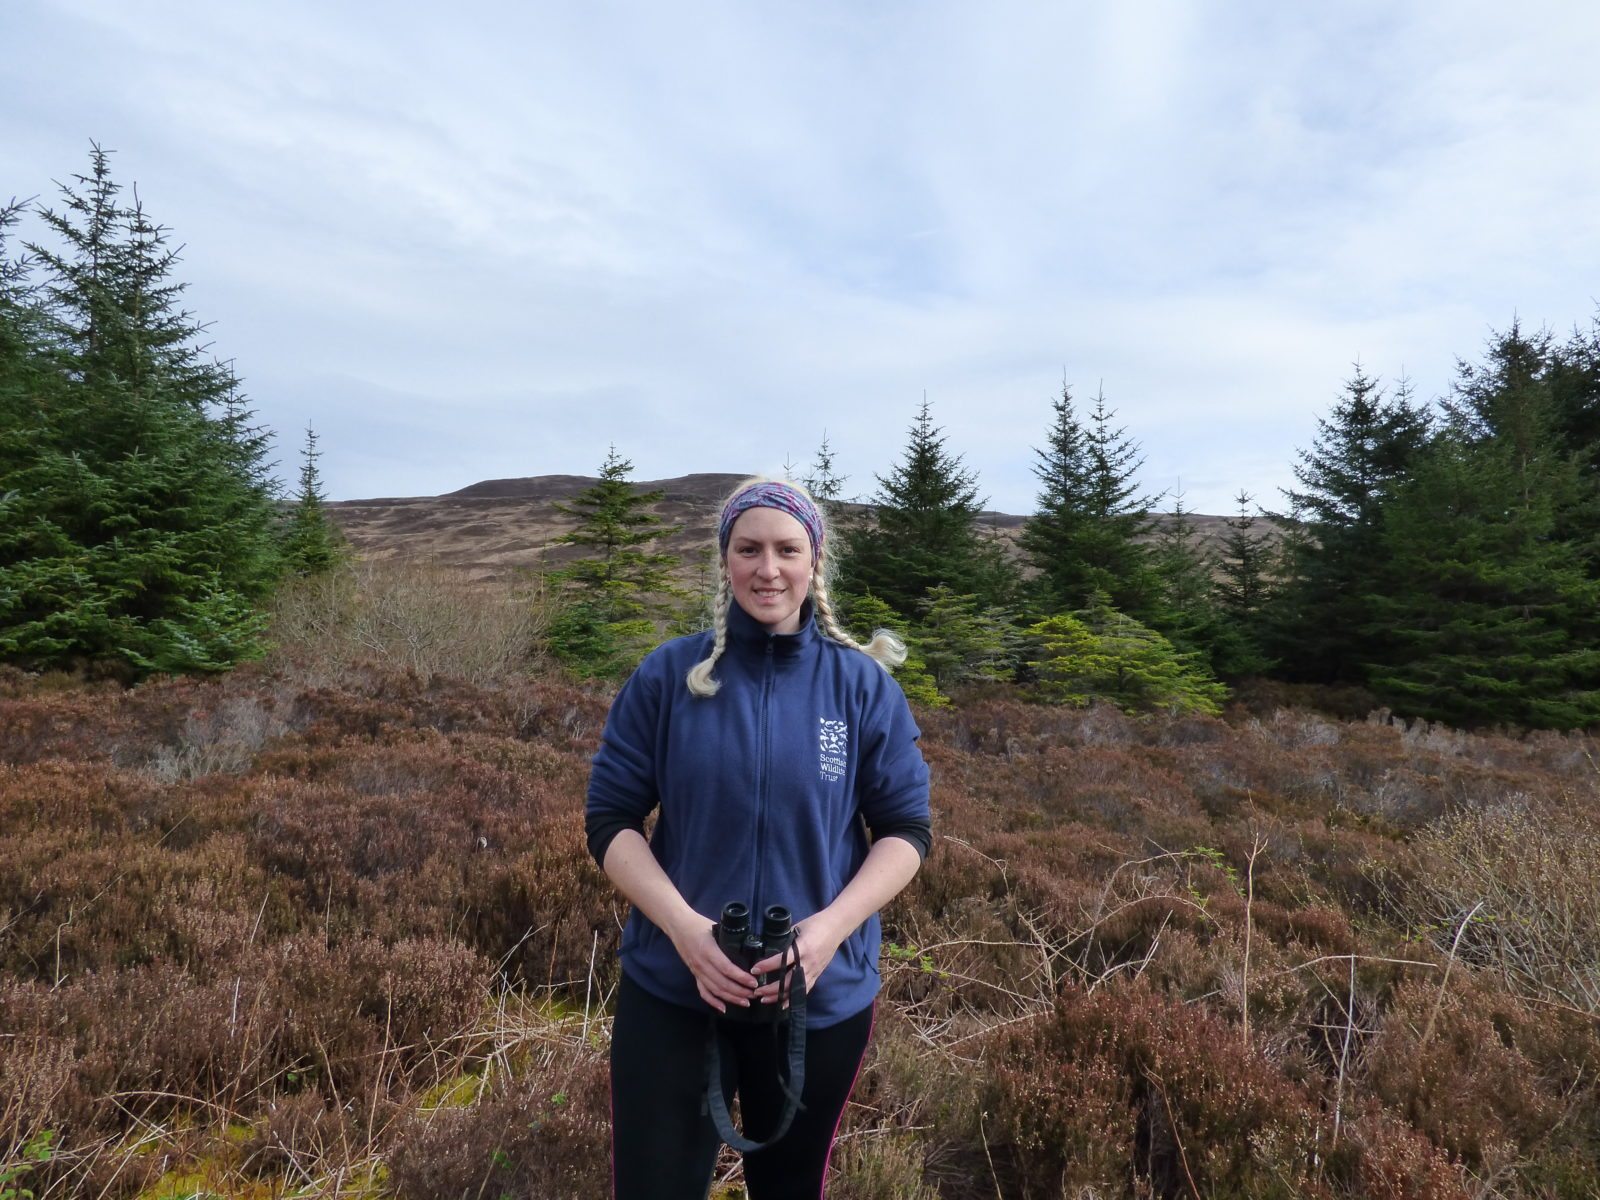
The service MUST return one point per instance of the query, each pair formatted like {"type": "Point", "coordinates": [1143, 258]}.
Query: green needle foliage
{"type": "Point", "coordinates": [1098, 653]}
{"type": "Point", "coordinates": [959, 642]}
{"type": "Point", "coordinates": [1486, 593]}
{"type": "Point", "coordinates": [825, 484]}
{"type": "Point", "coordinates": [312, 544]}
{"type": "Point", "coordinates": [864, 616]}
{"type": "Point", "coordinates": [618, 593]}
{"type": "Point", "coordinates": [1362, 453]}
{"type": "Point", "coordinates": [1241, 592]}
{"type": "Point", "coordinates": [137, 519]}
{"type": "Point", "coordinates": [925, 531]}
{"type": "Point", "coordinates": [1186, 613]}
{"type": "Point", "coordinates": [1086, 533]}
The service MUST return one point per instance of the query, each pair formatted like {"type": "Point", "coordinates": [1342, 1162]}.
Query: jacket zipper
{"type": "Point", "coordinates": [763, 764]}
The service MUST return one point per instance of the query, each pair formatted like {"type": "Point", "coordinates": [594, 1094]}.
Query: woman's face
{"type": "Point", "coordinates": [769, 567]}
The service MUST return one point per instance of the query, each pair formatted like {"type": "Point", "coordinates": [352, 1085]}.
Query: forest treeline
{"type": "Point", "coordinates": [1442, 559]}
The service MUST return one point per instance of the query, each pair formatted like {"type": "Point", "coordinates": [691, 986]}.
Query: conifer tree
{"type": "Point", "coordinates": [824, 482]}
{"type": "Point", "coordinates": [959, 642]}
{"type": "Point", "coordinates": [1573, 376]}
{"type": "Point", "coordinates": [1574, 379]}
{"type": "Point", "coordinates": [1100, 653]}
{"type": "Point", "coordinates": [1185, 612]}
{"type": "Point", "coordinates": [25, 378]}
{"type": "Point", "coordinates": [924, 530]}
{"type": "Point", "coordinates": [1051, 537]}
{"type": "Point", "coordinates": [1089, 525]}
{"type": "Point", "coordinates": [1489, 604]}
{"type": "Point", "coordinates": [1240, 591]}
{"type": "Point", "coordinates": [866, 614]}
{"type": "Point", "coordinates": [1321, 629]}
{"type": "Point", "coordinates": [311, 543]}
{"type": "Point", "coordinates": [617, 591]}
{"type": "Point", "coordinates": [138, 521]}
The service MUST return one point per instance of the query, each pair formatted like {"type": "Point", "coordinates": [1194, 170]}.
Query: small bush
{"type": "Point", "coordinates": [411, 614]}
{"type": "Point", "coordinates": [543, 1134]}
{"type": "Point", "coordinates": [1531, 882]}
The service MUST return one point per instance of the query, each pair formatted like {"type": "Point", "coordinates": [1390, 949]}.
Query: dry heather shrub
{"type": "Point", "coordinates": [1296, 729]}
{"type": "Point", "coordinates": [302, 1134]}
{"type": "Point", "coordinates": [1385, 1159]}
{"type": "Point", "coordinates": [1122, 1084]}
{"type": "Point", "coordinates": [105, 723]}
{"type": "Point", "coordinates": [1536, 875]}
{"type": "Point", "coordinates": [127, 901]}
{"type": "Point", "coordinates": [225, 738]}
{"type": "Point", "coordinates": [140, 1039]}
{"type": "Point", "coordinates": [35, 1072]}
{"type": "Point", "coordinates": [411, 614]}
{"type": "Point", "coordinates": [1479, 1073]}
{"type": "Point", "coordinates": [547, 916]}
{"type": "Point", "coordinates": [340, 1009]}
{"type": "Point", "coordinates": [147, 1042]}
{"type": "Point", "coordinates": [382, 704]}
{"type": "Point", "coordinates": [1004, 726]}
{"type": "Point", "coordinates": [84, 799]}
{"type": "Point", "coordinates": [545, 1134]}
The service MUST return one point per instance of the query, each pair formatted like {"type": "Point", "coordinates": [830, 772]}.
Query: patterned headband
{"type": "Point", "coordinates": [772, 495]}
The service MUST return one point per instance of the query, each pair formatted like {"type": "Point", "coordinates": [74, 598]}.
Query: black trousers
{"type": "Point", "coordinates": [664, 1148]}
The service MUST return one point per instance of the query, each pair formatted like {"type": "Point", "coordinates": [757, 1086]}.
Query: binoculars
{"type": "Point", "coordinates": [746, 947]}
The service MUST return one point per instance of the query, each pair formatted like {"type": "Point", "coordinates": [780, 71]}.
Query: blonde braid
{"type": "Point", "coordinates": [885, 649]}
{"type": "Point", "coordinates": [699, 677]}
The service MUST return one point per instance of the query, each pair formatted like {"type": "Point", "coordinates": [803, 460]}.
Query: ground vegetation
{"type": "Point", "coordinates": [329, 926]}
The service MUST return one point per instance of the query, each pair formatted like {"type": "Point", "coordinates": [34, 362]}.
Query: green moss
{"type": "Point", "coordinates": [458, 1091]}
{"type": "Point", "coordinates": [206, 1180]}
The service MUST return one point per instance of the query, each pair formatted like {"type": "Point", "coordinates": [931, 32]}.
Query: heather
{"type": "Point", "coordinates": [334, 932]}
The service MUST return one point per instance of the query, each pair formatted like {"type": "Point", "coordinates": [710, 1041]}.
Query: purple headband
{"type": "Point", "coordinates": [772, 495]}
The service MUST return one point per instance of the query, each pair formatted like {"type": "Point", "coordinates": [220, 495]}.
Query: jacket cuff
{"type": "Point", "coordinates": [599, 830]}
{"type": "Point", "coordinates": [918, 832]}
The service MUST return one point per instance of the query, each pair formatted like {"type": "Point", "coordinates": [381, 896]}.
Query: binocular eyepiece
{"type": "Point", "coordinates": [746, 947]}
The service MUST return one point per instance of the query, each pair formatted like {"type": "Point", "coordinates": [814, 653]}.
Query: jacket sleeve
{"type": "Point", "coordinates": [893, 776]}
{"type": "Point", "coordinates": [622, 774]}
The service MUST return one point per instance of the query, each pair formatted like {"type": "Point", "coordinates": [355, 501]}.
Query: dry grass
{"type": "Point", "coordinates": [409, 614]}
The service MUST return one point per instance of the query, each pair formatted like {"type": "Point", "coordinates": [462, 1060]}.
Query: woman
{"type": "Point", "coordinates": [773, 746]}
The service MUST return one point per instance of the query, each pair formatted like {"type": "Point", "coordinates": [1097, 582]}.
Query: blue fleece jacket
{"type": "Point", "coordinates": [766, 790]}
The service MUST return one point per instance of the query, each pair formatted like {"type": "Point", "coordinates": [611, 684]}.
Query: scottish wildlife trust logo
{"type": "Point", "coordinates": [833, 748]}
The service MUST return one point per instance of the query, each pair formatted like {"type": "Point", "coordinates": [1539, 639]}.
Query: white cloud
{"type": "Point", "coordinates": [489, 243]}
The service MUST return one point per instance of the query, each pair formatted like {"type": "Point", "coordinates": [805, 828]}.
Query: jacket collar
{"type": "Point", "coordinates": [751, 636]}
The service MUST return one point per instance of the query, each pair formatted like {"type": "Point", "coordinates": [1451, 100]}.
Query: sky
{"type": "Point", "coordinates": [492, 240]}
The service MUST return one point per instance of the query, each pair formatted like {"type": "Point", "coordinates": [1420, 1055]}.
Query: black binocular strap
{"type": "Point", "coordinates": [794, 985]}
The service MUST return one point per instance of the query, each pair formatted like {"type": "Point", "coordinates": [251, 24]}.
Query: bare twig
{"type": "Point", "coordinates": [1449, 963]}
{"type": "Point", "coordinates": [1172, 1121]}
{"type": "Point", "coordinates": [992, 1173]}
{"type": "Point", "coordinates": [1257, 844]}
{"type": "Point", "coordinates": [1344, 1053]}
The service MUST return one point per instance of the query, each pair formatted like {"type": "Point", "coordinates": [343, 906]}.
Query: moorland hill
{"type": "Point", "coordinates": [495, 528]}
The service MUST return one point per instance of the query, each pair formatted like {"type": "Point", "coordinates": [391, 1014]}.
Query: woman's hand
{"type": "Point", "coordinates": [888, 867]}
{"type": "Point", "coordinates": [721, 981]}
{"type": "Point", "coordinates": [814, 947]}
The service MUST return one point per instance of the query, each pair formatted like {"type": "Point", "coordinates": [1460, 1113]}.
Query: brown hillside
{"type": "Point", "coordinates": [500, 526]}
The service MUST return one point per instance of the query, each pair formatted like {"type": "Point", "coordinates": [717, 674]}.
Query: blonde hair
{"type": "Point", "coordinates": [886, 649]}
